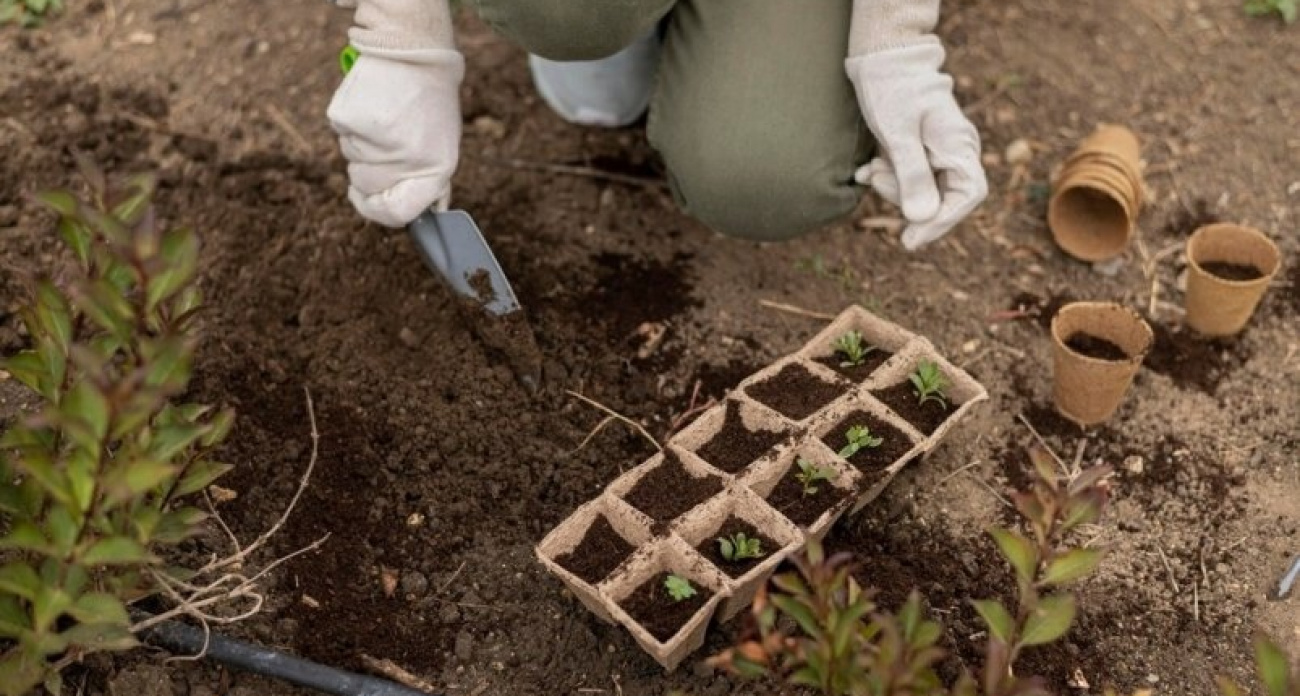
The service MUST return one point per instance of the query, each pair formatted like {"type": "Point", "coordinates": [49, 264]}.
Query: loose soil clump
{"type": "Point", "coordinates": [669, 490]}
{"type": "Point", "coordinates": [795, 392]}
{"type": "Point", "coordinates": [735, 446]}
{"type": "Point", "coordinates": [1095, 347]}
{"type": "Point", "coordinates": [901, 399]}
{"type": "Point", "coordinates": [658, 612]}
{"type": "Point", "coordinates": [1236, 272]}
{"type": "Point", "coordinates": [601, 551]}
{"type": "Point", "coordinates": [894, 442]}
{"type": "Point", "coordinates": [711, 549]}
{"type": "Point", "coordinates": [790, 500]}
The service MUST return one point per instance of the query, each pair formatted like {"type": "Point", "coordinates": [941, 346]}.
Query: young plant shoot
{"type": "Point", "coordinates": [859, 437]}
{"type": "Point", "coordinates": [740, 547]}
{"type": "Point", "coordinates": [930, 383]}
{"type": "Point", "coordinates": [853, 348]}
{"type": "Point", "coordinates": [679, 588]}
{"type": "Point", "coordinates": [810, 475]}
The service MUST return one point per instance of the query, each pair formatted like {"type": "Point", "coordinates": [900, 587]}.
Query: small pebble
{"type": "Point", "coordinates": [414, 584]}
{"type": "Point", "coordinates": [464, 646]}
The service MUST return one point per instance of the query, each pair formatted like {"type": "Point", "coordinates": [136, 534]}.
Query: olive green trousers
{"type": "Point", "coordinates": [752, 112]}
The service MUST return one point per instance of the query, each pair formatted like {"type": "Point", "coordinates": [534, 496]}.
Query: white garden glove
{"type": "Point", "coordinates": [929, 160]}
{"type": "Point", "coordinates": [397, 112]}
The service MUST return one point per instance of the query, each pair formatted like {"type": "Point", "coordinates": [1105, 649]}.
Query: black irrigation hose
{"type": "Point", "coordinates": [181, 639]}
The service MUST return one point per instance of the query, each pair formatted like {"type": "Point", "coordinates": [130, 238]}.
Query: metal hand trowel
{"type": "Point", "coordinates": [453, 246]}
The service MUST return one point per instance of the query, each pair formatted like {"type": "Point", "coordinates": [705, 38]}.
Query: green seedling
{"type": "Point", "coordinates": [930, 383]}
{"type": "Point", "coordinates": [853, 348]}
{"type": "Point", "coordinates": [1288, 9]}
{"type": "Point", "coordinates": [810, 475]}
{"type": "Point", "coordinates": [859, 437]}
{"type": "Point", "coordinates": [679, 588]}
{"type": "Point", "coordinates": [740, 547]}
{"type": "Point", "coordinates": [28, 13]}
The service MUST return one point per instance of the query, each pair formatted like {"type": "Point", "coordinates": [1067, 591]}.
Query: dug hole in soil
{"type": "Point", "coordinates": [426, 476]}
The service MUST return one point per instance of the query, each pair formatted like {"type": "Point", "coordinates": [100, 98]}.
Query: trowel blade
{"type": "Point", "coordinates": [454, 247]}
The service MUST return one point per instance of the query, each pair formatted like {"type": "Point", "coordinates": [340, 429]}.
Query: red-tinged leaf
{"type": "Point", "coordinates": [997, 618]}
{"type": "Point", "coordinates": [800, 613]}
{"type": "Point", "coordinates": [53, 314]}
{"type": "Point", "coordinates": [1072, 565]}
{"type": "Point", "coordinates": [1046, 466]}
{"type": "Point", "coordinates": [1049, 620]}
{"type": "Point", "coordinates": [180, 252]}
{"type": "Point", "coordinates": [220, 426]}
{"type": "Point", "coordinates": [1088, 478]}
{"type": "Point", "coordinates": [28, 368]}
{"type": "Point", "coordinates": [1019, 551]}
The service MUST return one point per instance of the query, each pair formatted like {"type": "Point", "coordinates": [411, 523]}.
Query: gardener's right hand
{"type": "Point", "coordinates": [397, 113]}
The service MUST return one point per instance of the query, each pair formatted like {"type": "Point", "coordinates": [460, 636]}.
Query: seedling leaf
{"type": "Point", "coordinates": [1000, 623]}
{"type": "Point", "coordinates": [1049, 621]}
{"type": "Point", "coordinates": [1071, 566]}
{"type": "Point", "coordinates": [679, 588]}
{"type": "Point", "coordinates": [859, 437]}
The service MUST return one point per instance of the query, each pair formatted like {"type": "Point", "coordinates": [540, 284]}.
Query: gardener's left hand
{"type": "Point", "coordinates": [929, 159]}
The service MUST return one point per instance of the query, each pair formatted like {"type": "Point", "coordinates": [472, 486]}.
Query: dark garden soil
{"type": "Point", "coordinates": [925, 417]}
{"type": "Point", "coordinates": [669, 490]}
{"type": "Point", "coordinates": [1090, 346]}
{"type": "Point", "coordinates": [660, 614]}
{"type": "Point", "coordinates": [601, 550]}
{"type": "Point", "coordinates": [438, 467]}
{"type": "Point", "coordinates": [863, 370]}
{"type": "Point", "coordinates": [1040, 309]}
{"type": "Point", "coordinates": [789, 499]}
{"type": "Point", "coordinates": [1232, 271]}
{"type": "Point", "coordinates": [795, 393]}
{"type": "Point", "coordinates": [712, 550]}
{"type": "Point", "coordinates": [870, 459]}
{"type": "Point", "coordinates": [735, 446]}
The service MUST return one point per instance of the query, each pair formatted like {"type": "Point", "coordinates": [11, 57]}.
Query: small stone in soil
{"type": "Point", "coordinates": [1236, 272]}
{"type": "Point", "coordinates": [601, 551]}
{"type": "Point", "coordinates": [669, 490]}
{"type": "Point", "coordinates": [789, 499]}
{"type": "Point", "coordinates": [1095, 347]}
{"type": "Point", "coordinates": [893, 446]}
{"type": "Point", "coordinates": [712, 550]}
{"type": "Point", "coordinates": [795, 392]}
{"type": "Point", "coordinates": [657, 611]}
{"type": "Point", "coordinates": [902, 399]}
{"type": "Point", "coordinates": [734, 447]}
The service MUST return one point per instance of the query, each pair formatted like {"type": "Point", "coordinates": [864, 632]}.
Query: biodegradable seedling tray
{"type": "Point", "coordinates": [735, 465]}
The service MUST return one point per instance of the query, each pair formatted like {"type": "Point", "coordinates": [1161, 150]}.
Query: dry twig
{"type": "Point", "coordinates": [391, 670]}
{"type": "Point", "coordinates": [614, 415]}
{"type": "Point", "coordinates": [797, 311]}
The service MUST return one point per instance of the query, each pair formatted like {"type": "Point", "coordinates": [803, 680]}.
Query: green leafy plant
{"type": "Point", "coordinates": [94, 482]}
{"type": "Point", "coordinates": [1288, 9]}
{"type": "Point", "coordinates": [28, 13]}
{"type": "Point", "coordinates": [844, 644]}
{"type": "Point", "coordinates": [810, 475]}
{"type": "Point", "coordinates": [740, 547]}
{"type": "Point", "coordinates": [859, 437]}
{"type": "Point", "coordinates": [854, 349]}
{"type": "Point", "coordinates": [1274, 672]}
{"type": "Point", "coordinates": [929, 383]}
{"type": "Point", "coordinates": [679, 588]}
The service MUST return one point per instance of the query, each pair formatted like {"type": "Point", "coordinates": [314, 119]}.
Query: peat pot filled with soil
{"type": "Point", "coordinates": [865, 440]}
{"type": "Point", "coordinates": [667, 486]}
{"type": "Point", "coordinates": [743, 538]}
{"type": "Point", "coordinates": [795, 391]}
{"type": "Point", "coordinates": [588, 546]}
{"type": "Point", "coordinates": [923, 395]}
{"type": "Point", "coordinates": [733, 436]}
{"type": "Point", "coordinates": [806, 485]}
{"type": "Point", "coordinates": [1229, 268]}
{"type": "Point", "coordinates": [1097, 350]}
{"type": "Point", "coordinates": [856, 344]}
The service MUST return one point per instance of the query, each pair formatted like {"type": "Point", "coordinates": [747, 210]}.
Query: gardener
{"type": "Point", "coordinates": [762, 135]}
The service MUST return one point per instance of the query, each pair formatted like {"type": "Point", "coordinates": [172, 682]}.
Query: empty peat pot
{"type": "Point", "coordinates": [1229, 268]}
{"type": "Point", "coordinates": [1097, 348]}
{"type": "Point", "coordinates": [1097, 196]}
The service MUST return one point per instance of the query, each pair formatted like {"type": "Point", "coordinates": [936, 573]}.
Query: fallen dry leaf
{"type": "Point", "coordinates": [388, 579]}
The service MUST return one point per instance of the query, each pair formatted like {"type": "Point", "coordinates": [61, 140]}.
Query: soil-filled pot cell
{"type": "Point", "coordinates": [860, 372]}
{"type": "Point", "coordinates": [711, 549]}
{"type": "Point", "coordinates": [925, 417]}
{"type": "Point", "coordinates": [794, 392]}
{"type": "Point", "coordinates": [1095, 347]}
{"type": "Point", "coordinates": [735, 446]}
{"type": "Point", "coordinates": [669, 490]}
{"type": "Point", "coordinates": [1236, 272]}
{"type": "Point", "coordinates": [894, 443]}
{"type": "Point", "coordinates": [800, 507]}
{"type": "Point", "coordinates": [598, 554]}
{"type": "Point", "coordinates": [656, 610]}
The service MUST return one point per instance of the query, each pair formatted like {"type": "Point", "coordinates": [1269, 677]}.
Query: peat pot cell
{"type": "Point", "coordinates": [711, 548]}
{"type": "Point", "coordinates": [1235, 272]}
{"type": "Point", "coordinates": [735, 446]}
{"type": "Point", "coordinates": [658, 612]}
{"type": "Point", "coordinates": [1095, 347]}
{"type": "Point", "coordinates": [601, 550]}
{"type": "Point", "coordinates": [792, 498]}
{"type": "Point", "coordinates": [668, 490]}
{"type": "Point", "coordinates": [893, 443]}
{"type": "Point", "coordinates": [795, 393]}
{"type": "Point", "coordinates": [856, 371]}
